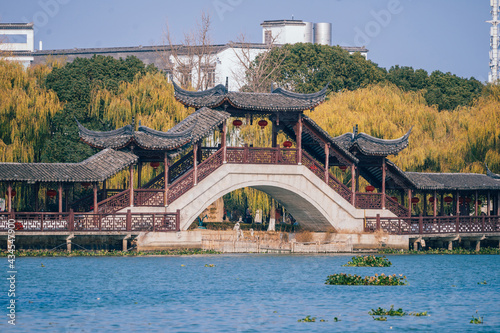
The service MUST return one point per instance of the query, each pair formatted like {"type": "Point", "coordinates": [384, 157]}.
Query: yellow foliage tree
{"type": "Point", "coordinates": [25, 111]}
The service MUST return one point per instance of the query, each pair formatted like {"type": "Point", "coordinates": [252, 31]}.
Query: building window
{"type": "Point", "coordinates": [209, 73]}
{"type": "Point", "coordinates": [268, 37]}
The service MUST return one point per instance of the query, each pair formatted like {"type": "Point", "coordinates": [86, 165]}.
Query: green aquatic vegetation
{"type": "Point", "coordinates": [209, 265]}
{"type": "Point", "coordinates": [384, 312]}
{"type": "Point", "coordinates": [377, 280]}
{"type": "Point", "coordinates": [485, 250]}
{"type": "Point", "coordinates": [307, 319]}
{"type": "Point", "coordinates": [336, 319]}
{"type": "Point", "coordinates": [104, 253]}
{"type": "Point", "coordinates": [483, 282]}
{"type": "Point", "coordinates": [369, 261]}
{"type": "Point", "coordinates": [380, 318]}
{"type": "Point", "coordinates": [476, 319]}
{"type": "Point", "coordinates": [418, 314]}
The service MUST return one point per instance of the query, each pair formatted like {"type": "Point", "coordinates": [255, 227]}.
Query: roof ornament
{"type": "Point", "coordinates": [227, 83]}
{"type": "Point", "coordinates": [490, 174]}
{"type": "Point", "coordinates": [354, 132]}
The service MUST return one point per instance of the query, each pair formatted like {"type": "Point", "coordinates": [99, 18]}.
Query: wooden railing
{"type": "Point", "coordinates": [115, 203]}
{"type": "Point", "coordinates": [434, 225]}
{"type": "Point", "coordinates": [84, 203]}
{"type": "Point", "coordinates": [366, 200]}
{"type": "Point", "coordinates": [90, 222]}
{"type": "Point", "coordinates": [319, 170]}
{"type": "Point", "coordinates": [395, 207]}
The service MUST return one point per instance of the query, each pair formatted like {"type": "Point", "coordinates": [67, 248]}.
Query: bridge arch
{"type": "Point", "coordinates": [312, 202]}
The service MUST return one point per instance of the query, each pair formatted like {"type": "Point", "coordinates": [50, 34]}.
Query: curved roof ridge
{"type": "Point", "coordinates": [489, 173]}
{"type": "Point", "coordinates": [125, 130]}
{"type": "Point", "coordinates": [169, 134]}
{"type": "Point", "coordinates": [385, 141]}
{"type": "Point", "coordinates": [218, 90]}
{"type": "Point", "coordinates": [292, 94]}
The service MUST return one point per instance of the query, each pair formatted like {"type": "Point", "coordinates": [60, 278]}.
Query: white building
{"type": "Point", "coordinates": [224, 61]}
{"type": "Point", "coordinates": [17, 42]}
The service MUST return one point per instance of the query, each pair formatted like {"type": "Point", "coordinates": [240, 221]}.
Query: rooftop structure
{"type": "Point", "coordinates": [17, 42]}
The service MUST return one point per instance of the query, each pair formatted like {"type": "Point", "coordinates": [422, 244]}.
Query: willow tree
{"type": "Point", "coordinates": [26, 108]}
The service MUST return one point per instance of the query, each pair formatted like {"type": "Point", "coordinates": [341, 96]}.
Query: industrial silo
{"type": "Point", "coordinates": [323, 33]}
{"type": "Point", "coordinates": [309, 32]}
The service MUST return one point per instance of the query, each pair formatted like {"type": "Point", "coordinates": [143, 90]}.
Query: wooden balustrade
{"type": "Point", "coordinates": [434, 225]}
{"type": "Point", "coordinates": [91, 222]}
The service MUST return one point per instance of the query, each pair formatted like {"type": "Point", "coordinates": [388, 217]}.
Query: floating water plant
{"type": "Point", "coordinates": [380, 318]}
{"type": "Point", "coordinates": [484, 282]}
{"type": "Point", "coordinates": [476, 320]}
{"type": "Point", "coordinates": [393, 313]}
{"type": "Point", "coordinates": [209, 265]}
{"type": "Point", "coordinates": [377, 280]}
{"type": "Point", "coordinates": [369, 261]}
{"type": "Point", "coordinates": [384, 312]}
{"type": "Point", "coordinates": [307, 319]}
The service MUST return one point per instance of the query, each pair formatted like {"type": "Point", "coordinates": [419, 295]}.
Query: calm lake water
{"type": "Point", "coordinates": [248, 293]}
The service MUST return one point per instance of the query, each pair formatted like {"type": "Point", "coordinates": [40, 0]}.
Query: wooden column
{"type": "Point", "coordinates": [327, 162]}
{"type": "Point", "coordinates": [165, 194]}
{"type": "Point", "coordinates": [139, 174]}
{"type": "Point", "coordinates": [104, 195]}
{"type": "Point", "coordinates": [353, 184]}
{"type": "Point", "coordinates": [425, 203]}
{"type": "Point", "coordinates": [36, 189]}
{"type": "Point", "coordinates": [435, 204]}
{"type": "Point", "coordinates": [195, 163]}
{"type": "Point", "coordinates": [224, 139]}
{"type": "Point", "coordinates": [458, 203]}
{"type": "Point", "coordinates": [488, 207]}
{"type": "Point", "coordinates": [498, 203]}
{"type": "Point", "coordinates": [59, 195]}
{"type": "Point", "coordinates": [409, 202]}
{"type": "Point", "coordinates": [441, 207]}
{"type": "Point", "coordinates": [274, 137]}
{"type": "Point", "coordinates": [475, 204]}
{"type": "Point", "coordinates": [9, 197]}
{"type": "Point", "coordinates": [96, 208]}
{"type": "Point", "coordinates": [299, 139]}
{"type": "Point", "coordinates": [383, 183]}
{"type": "Point", "coordinates": [66, 199]}
{"type": "Point", "coordinates": [131, 176]}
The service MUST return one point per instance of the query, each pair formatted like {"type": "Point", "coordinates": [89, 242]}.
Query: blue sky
{"type": "Point", "coordinates": [446, 35]}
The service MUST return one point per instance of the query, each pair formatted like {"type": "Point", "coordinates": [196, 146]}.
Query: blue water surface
{"type": "Point", "coordinates": [248, 293]}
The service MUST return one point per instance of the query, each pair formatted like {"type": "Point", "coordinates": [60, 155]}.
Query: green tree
{"type": "Point", "coordinates": [75, 84]}
{"type": "Point", "coordinates": [309, 67]}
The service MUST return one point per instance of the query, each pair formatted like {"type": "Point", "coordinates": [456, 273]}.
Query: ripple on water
{"type": "Point", "coordinates": [250, 293]}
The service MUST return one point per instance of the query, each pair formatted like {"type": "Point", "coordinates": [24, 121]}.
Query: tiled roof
{"type": "Point", "coordinates": [94, 169]}
{"type": "Point", "coordinates": [193, 128]}
{"type": "Point", "coordinates": [453, 181]}
{"type": "Point", "coordinates": [278, 100]}
{"type": "Point", "coordinates": [369, 145]}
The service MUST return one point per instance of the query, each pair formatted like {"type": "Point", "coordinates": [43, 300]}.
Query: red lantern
{"type": "Point", "coordinates": [237, 123]}
{"type": "Point", "coordinates": [86, 185]}
{"type": "Point", "coordinates": [448, 200]}
{"type": "Point", "coordinates": [479, 202]}
{"type": "Point", "coordinates": [370, 188]}
{"type": "Point", "coordinates": [154, 165]}
{"type": "Point", "coordinates": [287, 144]}
{"type": "Point", "coordinates": [461, 200]}
{"type": "Point", "coordinates": [415, 200]}
{"type": "Point", "coordinates": [12, 192]}
{"type": "Point", "coordinates": [262, 123]}
{"type": "Point", "coordinates": [51, 193]}
{"type": "Point", "coordinates": [395, 199]}
{"type": "Point", "coordinates": [343, 168]}
{"type": "Point", "coordinates": [431, 200]}
{"type": "Point", "coordinates": [468, 200]}
{"type": "Point", "coordinates": [313, 167]}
